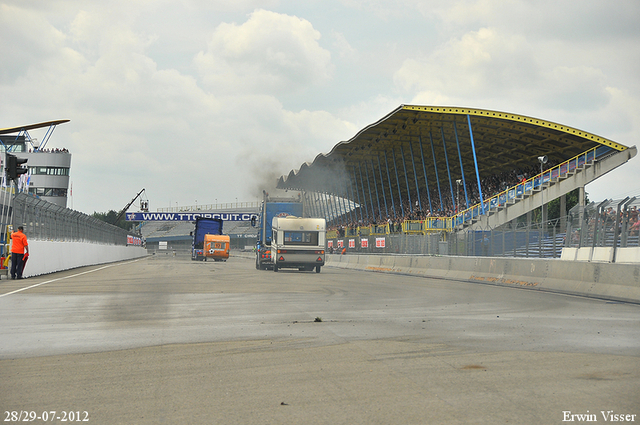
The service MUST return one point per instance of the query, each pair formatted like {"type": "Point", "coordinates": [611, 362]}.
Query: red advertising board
{"type": "Point", "coordinates": [364, 243]}
{"type": "Point", "coordinates": [380, 242]}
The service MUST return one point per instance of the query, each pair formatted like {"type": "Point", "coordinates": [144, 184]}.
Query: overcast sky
{"type": "Point", "coordinates": [205, 100]}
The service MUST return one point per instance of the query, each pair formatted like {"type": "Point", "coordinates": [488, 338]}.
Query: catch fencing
{"type": "Point", "coordinates": [611, 223]}
{"type": "Point", "coordinates": [43, 220]}
{"type": "Point", "coordinates": [514, 240]}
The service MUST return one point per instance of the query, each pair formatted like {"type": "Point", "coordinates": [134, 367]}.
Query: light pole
{"type": "Point", "coordinates": [543, 160]}
{"type": "Point", "coordinates": [458, 182]}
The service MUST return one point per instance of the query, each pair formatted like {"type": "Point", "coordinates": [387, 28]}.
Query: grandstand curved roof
{"type": "Point", "coordinates": [428, 135]}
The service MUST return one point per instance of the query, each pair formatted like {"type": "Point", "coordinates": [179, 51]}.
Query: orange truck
{"type": "Point", "coordinates": [216, 247]}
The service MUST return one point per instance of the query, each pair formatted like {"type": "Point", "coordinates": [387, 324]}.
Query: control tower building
{"type": "Point", "coordinates": [49, 168]}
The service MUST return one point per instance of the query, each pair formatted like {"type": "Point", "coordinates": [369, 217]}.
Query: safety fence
{"type": "Point", "coordinates": [43, 220]}
{"type": "Point", "coordinates": [511, 240]}
{"type": "Point", "coordinates": [411, 227]}
{"type": "Point", "coordinates": [611, 223]}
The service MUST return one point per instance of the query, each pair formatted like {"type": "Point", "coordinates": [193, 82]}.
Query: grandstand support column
{"type": "Point", "coordinates": [395, 167]}
{"type": "Point", "coordinates": [318, 205]}
{"type": "Point", "coordinates": [424, 169]}
{"type": "Point", "coordinates": [415, 175]}
{"type": "Point", "coordinates": [348, 199]}
{"type": "Point", "coordinates": [364, 194]}
{"type": "Point", "coordinates": [406, 178]}
{"type": "Point", "coordinates": [321, 206]}
{"type": "Point", "coordinates": [375, 184]}
{"type": "Point", "coordinates": [357, 193]}
{"type": "Point", "coordinates": [344, 197]}
{"type": "Point", "coordinates": [373, 215]}
{"type": "Point", "coordinates": [435, 167]}
{"type": "Point", "coordinates": [464, 182]}
{"type": "Point", "coordinates": [314, 201]}
{"type": "Point", "coordinates": [336, 210]}
{"type": "Point", "coordinates": [327, 201]}
{"type": "Point", "coordinates": [475, 162]}
{"type": "Point", "coordinates": [581, 199]}
{"type": "Point", "coordinates": [325, 207]}
{"type": "Point", "coordinates": [384, 196]}
{"type": "Point", "coordinates": [353, 196]}
{"type": "Point", "coordinates": [446, 159]}
{"type": "Point", "coordinates": [311, 204]}
{"type": "Point", "coordinates": [393, 205]}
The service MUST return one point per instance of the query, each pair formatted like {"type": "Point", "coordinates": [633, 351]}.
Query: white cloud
{"type": "Point", "coordinates": [488, 65]}
{"type": "Point", "coordinates": [158, 91]}
{"type": "Point", "coordinates": [270, 53]}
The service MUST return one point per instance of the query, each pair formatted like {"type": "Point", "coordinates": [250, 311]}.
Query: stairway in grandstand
{"type": "Point", "coordinates": [518, 201]}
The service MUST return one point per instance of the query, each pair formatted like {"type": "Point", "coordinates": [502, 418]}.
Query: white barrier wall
{"type": "Point", "coordinates": [601, 280]}
{"type": "Point", "coordinates": [627, 255]}
{"type": "Point", "coordinates": [48, 257]}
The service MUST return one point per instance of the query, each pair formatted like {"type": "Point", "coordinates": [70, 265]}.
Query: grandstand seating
{"type": "Point", "coordinates": [519, 200]}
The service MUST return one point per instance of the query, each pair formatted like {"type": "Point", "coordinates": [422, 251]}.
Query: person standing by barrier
{"type": "Point", "coordinates": [19, 250]}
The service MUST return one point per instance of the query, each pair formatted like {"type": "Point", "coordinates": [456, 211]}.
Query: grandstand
{"type": "Point", "coordinates": [404, 168]}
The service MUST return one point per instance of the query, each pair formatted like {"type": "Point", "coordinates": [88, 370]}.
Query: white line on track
{"type": "Point", "coordinates": [68, 277]}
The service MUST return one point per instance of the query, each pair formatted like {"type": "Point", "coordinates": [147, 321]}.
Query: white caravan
{"type": "Point", "coordinates": [298, 243]}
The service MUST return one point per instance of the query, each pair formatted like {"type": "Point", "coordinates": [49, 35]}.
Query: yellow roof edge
{"type": "Point", "coordinates": [517, 118]}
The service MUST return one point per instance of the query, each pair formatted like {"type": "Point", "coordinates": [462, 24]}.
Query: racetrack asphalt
{"type": "Point", "coordinates": [167, 340]}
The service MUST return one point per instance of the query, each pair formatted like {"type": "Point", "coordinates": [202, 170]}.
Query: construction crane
{"type": "Point", "coordinates": [144, 205]}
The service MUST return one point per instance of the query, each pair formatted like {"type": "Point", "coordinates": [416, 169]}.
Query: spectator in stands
{"type": "Point", "coordinates": [634, 223]}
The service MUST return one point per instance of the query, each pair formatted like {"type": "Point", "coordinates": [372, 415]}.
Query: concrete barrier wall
{"type": "Point", "coordinates": [620, 282]}
{"type": "Point", "coordinates": [627, 255]}
{"type": "Point", "coordinates": [48, 257]}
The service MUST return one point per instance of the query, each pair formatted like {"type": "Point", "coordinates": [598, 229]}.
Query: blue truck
{"type": "Point", "coordinates": [204, 226]}
{"type": "Point", "coordinates": [270, 208]}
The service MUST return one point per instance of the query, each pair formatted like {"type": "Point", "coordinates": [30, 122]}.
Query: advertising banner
{"type": "Point", "coordinates": [227, 216]}
{"type": "Point", "coordinates": [352, 243]}
{"type": "Point", "coordinates": [364, 243]}
{"type": "Point", "coordinates": [380, 242]}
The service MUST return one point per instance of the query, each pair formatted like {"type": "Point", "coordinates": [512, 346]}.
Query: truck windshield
{"type": "Point", "coordinates": [300, 238]}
